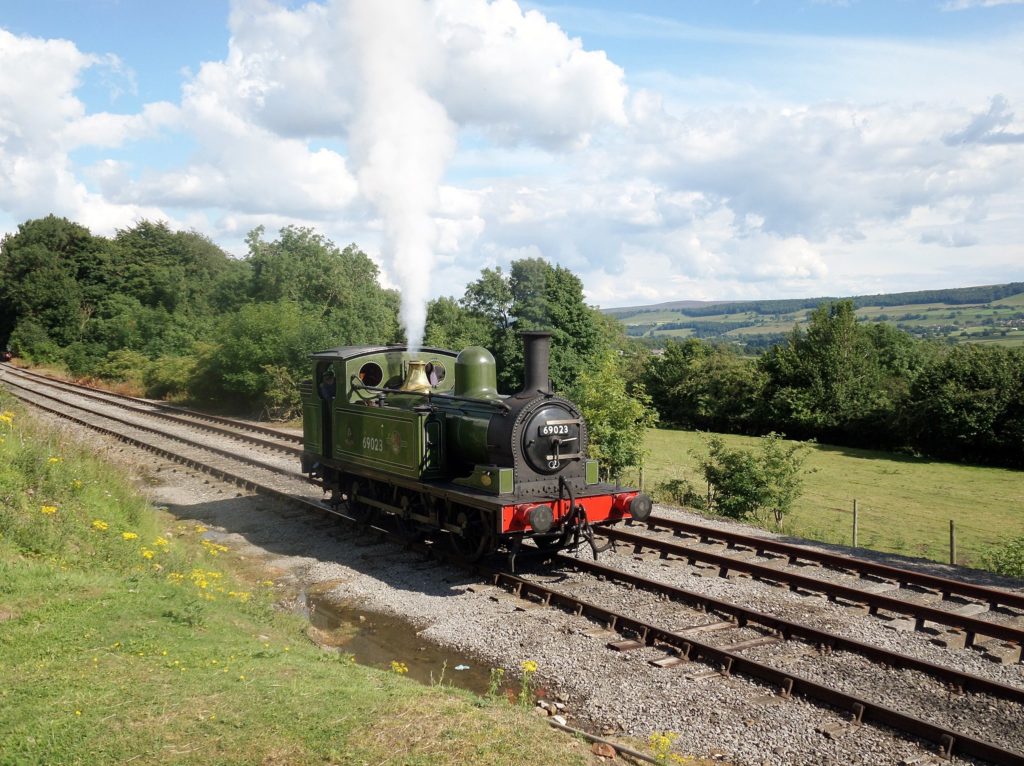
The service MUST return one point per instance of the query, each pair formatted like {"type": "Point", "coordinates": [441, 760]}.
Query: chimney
{"type": "Point", "coordinates": [536, 354]}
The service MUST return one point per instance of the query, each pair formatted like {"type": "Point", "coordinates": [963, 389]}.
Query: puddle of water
{"type": "Point", "coordinates": [378, 640]}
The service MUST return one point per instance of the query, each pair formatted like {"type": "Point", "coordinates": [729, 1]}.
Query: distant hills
{"type": "Point", "coordinates": [988, 313]}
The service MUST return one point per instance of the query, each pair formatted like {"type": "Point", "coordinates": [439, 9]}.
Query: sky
{"type": "Point", "coordinates": [662, 150]}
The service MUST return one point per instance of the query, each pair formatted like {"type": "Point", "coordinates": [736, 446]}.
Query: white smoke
{"type": "Point", "coordinates": [400, 139]}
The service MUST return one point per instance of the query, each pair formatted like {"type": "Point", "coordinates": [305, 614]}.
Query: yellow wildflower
{"type": "Point", "coordinates": [146, 553]}
{"type": "Point", "coordinates": [200, 528]}
{"type": "Point", "coordinates": [214, 549]}
{"type": "Point", "coordinates": [160, 543]}
{"type": "Point", "coordinates": [48, 510]}
{"type": "Point", "coordinates": [129, 536]}
{"type": "Point", "coordinates": [399, 667]}
{"type": "Point", "coordinates": [77, 484]}
{"type": "Point", "coordinates": [175, 577]}
{"type": "Point", "coordinates": [529, 666]}
{"type": "Point", "coordinates": [99, 524]}
{"type": "Point", "coordinates": [55, 460]}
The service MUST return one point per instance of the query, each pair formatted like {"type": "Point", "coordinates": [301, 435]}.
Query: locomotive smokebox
{"type": "Point", "coordinates": [536, 356]}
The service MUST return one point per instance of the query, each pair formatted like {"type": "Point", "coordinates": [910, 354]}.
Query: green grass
{"type": "Point", "coordinates": [905, 503]}
{"type": "Point", "coordinates": [1011, 300]}
{"type": "Point", "coordinates": [112, 655]}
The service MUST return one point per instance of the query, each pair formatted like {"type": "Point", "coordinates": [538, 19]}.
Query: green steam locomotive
{"type": "Point", "coordinates": [423, 441]}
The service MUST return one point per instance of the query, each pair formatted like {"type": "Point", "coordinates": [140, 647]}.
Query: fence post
{"type": "Point", "coordinates": [952, 542]}
{"type": "Point", "coordinates": [642, 478]}
{"type": "Point", "coordinates": [856, 509]}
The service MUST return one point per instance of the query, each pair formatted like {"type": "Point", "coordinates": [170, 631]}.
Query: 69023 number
{"type": "Point", "coordinates": [554, 430]}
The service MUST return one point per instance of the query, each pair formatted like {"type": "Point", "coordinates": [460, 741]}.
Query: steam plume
{"type": "Point", "coordinates": [401, 139]}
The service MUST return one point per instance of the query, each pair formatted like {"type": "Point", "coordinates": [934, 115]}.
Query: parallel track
{"type": "Point", "coordinates": [972, 627]}
{"type": "Point", "coordinates": [236, 428]}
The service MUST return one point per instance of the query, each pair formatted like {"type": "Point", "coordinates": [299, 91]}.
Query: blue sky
{"type": "Point", "coordinates": [663, 150]}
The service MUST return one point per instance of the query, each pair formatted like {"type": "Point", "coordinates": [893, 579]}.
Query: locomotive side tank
{"type": "Point", "coordinates": [426, 440]}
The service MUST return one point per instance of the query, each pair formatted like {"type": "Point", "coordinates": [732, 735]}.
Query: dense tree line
{"type": "Point", "coordinates": [845, 382]}
{"type": "Point", "coordinates": [174, 312]}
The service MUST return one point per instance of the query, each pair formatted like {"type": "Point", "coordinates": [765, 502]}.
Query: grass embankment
{"type": "Point", "coordinates": [905, 503]}
{"type": "Point", "coordinates": [124, 637]}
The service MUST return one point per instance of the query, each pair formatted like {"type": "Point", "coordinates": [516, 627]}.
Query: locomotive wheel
{"type": "Point", "coordinates": [361, 512]}
{"type": "Point", "coordinates": [407, 530]}
{"type": "Point", "coordinates": [473, 543]}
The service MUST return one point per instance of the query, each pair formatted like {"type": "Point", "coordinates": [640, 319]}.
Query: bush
{"type": "Point", "coordinates": [251, 347]}
{"type": "Point", "coordinates": [31, 342]}
{"type": "Point", "coordinates": [169, 377]}
{"type": "Point", "coordinates": [124, 365]}
{"type": "Point", "coordinates": [742, 484]}
{"type": "Point", "coordinates": [1006, 559]}
{"type": "Point", "coordinates": [679, 492]}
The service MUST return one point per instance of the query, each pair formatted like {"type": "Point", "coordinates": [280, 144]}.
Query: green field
{"type": "Point", "coordinates": [905, 503]}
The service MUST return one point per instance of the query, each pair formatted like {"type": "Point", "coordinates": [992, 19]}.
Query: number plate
{"type": "Point", "coordinates": [553, 429]}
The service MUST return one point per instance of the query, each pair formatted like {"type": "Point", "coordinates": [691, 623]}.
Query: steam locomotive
{"type": "Point", "coordinates": [424, 442]}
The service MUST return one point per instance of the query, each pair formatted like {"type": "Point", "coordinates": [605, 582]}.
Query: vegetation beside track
{"type": "Point", "coordinates": [124, 636]}
{"type": "Point", "coordinates": [905, 503]}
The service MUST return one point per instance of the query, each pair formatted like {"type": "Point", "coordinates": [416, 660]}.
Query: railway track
{"type": "Point", "coordinates": [678, 646]}
{"type": "Point", "coordinates": [961, 615]}
{"type": "Point", "coordinates": [239, 429]}
{"type": "Point", "coordinates": [999, 637]}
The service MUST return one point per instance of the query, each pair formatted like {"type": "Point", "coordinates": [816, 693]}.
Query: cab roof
{"type": "Point", "coordinates": [351, 352]}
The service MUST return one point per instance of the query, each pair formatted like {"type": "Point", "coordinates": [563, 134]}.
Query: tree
{"type": "Point", "coordinates": [449, 325]}
{"type": "Point", "coordinates": [253, 350]}
{"type": "Point", "coordinates": [576, 334]}
{"type": "Point", "coordinates": [742, 484]}
{"type": "Point", "coordinates": [838, 379]}
{"type": "Point", "coordinates": [616, 419]}
{"type": "Point", "coordinates": [340, 286]}
{"type": "Point", "coordinates": [968, 404]}
{"type": "Point", "coordinates": [534, 296]}
{"type": "Point", "coordinates": [38, 287]}
{"type": "Point", "coordinates": [490, 297]}
{"type": "Point", "coordinates": [695, 384]}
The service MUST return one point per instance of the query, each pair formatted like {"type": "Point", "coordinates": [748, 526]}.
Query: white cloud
{"type": "Point", "coordinates": [41, 121]}
{"type": "Point", "coordinates": [113, 130]}
{"type": "Point", "coordinates": [693, 186]}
